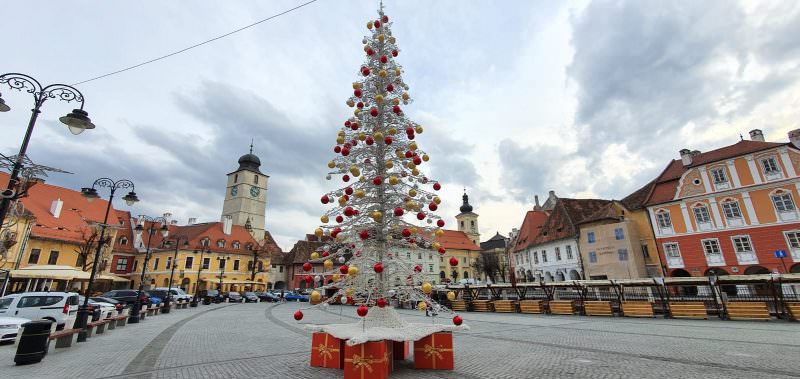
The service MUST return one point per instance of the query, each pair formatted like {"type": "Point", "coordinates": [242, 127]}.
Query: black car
{"type": "Point", "coordinates": [234, 297]}
{"type": "Point", "coordinates": [127, 297]}
{"type": "Point", "coordinates": [117, 304]}
{"type": "Point", "coordinates": [250, 297]}
{"type": "Point", "coordinates": [268, 296]}
{"type": "Point", "coordinates": [211, 296]}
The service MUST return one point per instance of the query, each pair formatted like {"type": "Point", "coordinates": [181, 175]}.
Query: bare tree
{"type": "Point", "coordinates": [88, 245]}
{"type": "Point", "coordinates": [488, 264]}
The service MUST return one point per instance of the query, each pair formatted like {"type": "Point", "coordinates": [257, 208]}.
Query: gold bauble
{"type": "Point", "coordinates": [389, 164]}
{"type": "Point", "coordinates": [379, 98]}
{"type": "Point", "coordinates": [435, 246]}
{"type": "Point", "coordinates": [412, 146]}
{"type": "Point", "coordinates": [314, 256]}
{"type": "Point", "coordinates": [413, 230]}
{"type": "Point", "coordinates": [382, 73]}
{"type": "Point", "coordinates": [392, 40]}
{"type": "Point", "coordinates": [425, 157]}
{"type": "Point", "coordinates": [328, 264]}
{"type": "Point", "coordinates": [369, 25]}
{"type": "Point", "coordinates": [396, 101]}
{"type": "Point", "coordinates": [411, 165]}
{"type": "Point", "coordinates": [353, 169]}
{"type": "Point", "coordinates": [324, 219]}
{"type": "Point", "coordinates": [342, 201]}
{"type": "Point", "coordinates": [356, 111]}
{"type": "Point", "coordinates": [362, 136]}
{"type": "Point", "coordinates": [315, 296]}
{"type": "Point", "coordinates": [405, 96]}
{"type": "Point", "coordinates": [415, 172]}
{"type": "Point", "coordinates": [331, 164]}
{"type": "Point", "coordinates": [393, 180]}
{"type": "Point", "coordinates": [352, 271]}
{"type": "Point", "coordinates": [350, 103]}
{"type": "Point", "coordinates": [437, 200]}
{"type": "Point", "coordinates": [418, 128]}
{"type": "Point", "coordinates": [378, 136]}
{"type": "Point", "coordinates": [397, 71]}
{"type": "Point", "coordinates": [349, 292]}
{"type": "Point", "coordinates": [356, 85]}
{"type": "Point", "coordinates": [412, 192]}
{"type": "Point", "coordinates": [439, 233]}
{"type": "Point", "coordinates": [451, 295]}
{"type": "Point", "coordinates": [366, 47]}
{"type": "Point", "coordinates": [422, 306]}
{"type": "Point", "coordinates": [318, 232]}
{"type": "Point", "coordinates": [376, 215]}
{"type": "Point", "coordinates": [427, 288]}
{"type": "Point", "coordinates": [339, 140]}
{"type": "Point", "coordinates": [360, 193]}
{"type": "Point", "coordinates": [340, 237]}
{"type": "Point", "coordinates": [381, 37]}
{"type": "Point", "coordinates": [392, 131]}
{"type": "Point", "coordinates": [362, 178]}
{"type": "Point", "coordinates": [409, 204]}
{"type": "Point", "coordinates": [340, 133]}
{"type": "Point", "coordinates": [399, 154]}
{"type": "Point", "coordinates": [335, 277]}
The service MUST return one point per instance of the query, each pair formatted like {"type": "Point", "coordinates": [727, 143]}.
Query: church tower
{"type": "Point", "coordinates": [468, 221]}
{"type": "Point", "coordinates": [246, 195]}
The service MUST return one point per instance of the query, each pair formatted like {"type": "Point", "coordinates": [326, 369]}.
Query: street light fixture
{"type": "Point", "coordinates": [177, 239]}
{"type": "Point", "coordinates": [82, 318]}
{"type": "Point", "coordinates": [222, 265]}
{"type": "Point", "coordinates": [151, 230]}
{"type": "Point", "coordinates": [197, 282]}
{"type": "Point", "coordinates": [77, 121]}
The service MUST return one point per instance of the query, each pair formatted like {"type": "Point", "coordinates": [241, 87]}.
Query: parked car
{"type": "Point", "coordinates": [154, 300]}
{"type": "Point", "coordinates": [268, 296]}
{"type": "Point", "coordinates": [177, 294]}
{"type": "Point", "coordinates": [127, 297]}
{"type": "Point", "coordinates": [211, 296]}
{"type": "Point", "coordinates": [291, 296]}
{"type": "Point", "coordinates": [99, 309]}
{"type": "Point", "coordinates": [60, 307]}
{"type": "Point", "coordinates": [234, 297]}
{"type": "Point", "coordinates": [118, 305]}
{"type": "Point", "coordinates": [161, 294]}
{"type": "Point", "coordinates": [250, 297]}
{"type": "Point", "coordinates": [10, 327]}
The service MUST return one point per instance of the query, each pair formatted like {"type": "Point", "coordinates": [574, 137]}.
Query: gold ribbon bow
{"type": "Point", "coordinates": [431, 350]}
{"type": "Point", "coordinates": [325, 351]}
{"type": "Point", "coordinates": [360, 362]}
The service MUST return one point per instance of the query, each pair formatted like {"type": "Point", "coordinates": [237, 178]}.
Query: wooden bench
{"type": "Point", "coordinates": [505, 306]}
{"type": "Point", "coordinates": [637, 309]}
{"type": "Point", "coordinates": [748, 310]}
{"type": "Point", "coordinates": [598, 308]}
{"type": "Point", "coordinates": [688, 309]}
{"type": "Point", "coordinates": [98, 327]}
{"type": "Point", "coordinates": [562, 307]}
{"type": "Point", "coordinates": [458, 305]}
{"type": "Point", "coordinates": [151, 311]}
{"type": "Point", "coordinates": [64, 338]}
{"type": "Point", "coordinates": [531, 306]}
{"type": "Point", "coordinates": [183, 305]}
{"type": "Point", "coordinates": [120, 320]}
{"type": "Point", "coordinates": [794, 310]}
{"type": "Point", "coordinates": [481, 306]}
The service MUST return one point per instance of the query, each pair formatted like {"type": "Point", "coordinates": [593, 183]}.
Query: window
{"type": "Point", "coordinates": [536, 257]}
{"type": "Point", "coordinates": [590, 237]}
{"type": "Point", "coordinates": [619, 234]}
{"type": "Point", "coordinates": [430, 256]}
{"type": "Point", "coordinates": [221, 263]}
{"type": "Point", "coordinates": [544, 256]}
{"type": "Point", "coordinates": [462, 224]}
{"type": "Point", "coordinates": [221, 243]}
{"type": "Point", "coordinates": [249, 265]}
{"type": "Point", "coordinates": [34, 258]}
{"type": "Point", "coordinates": [711, 247]}
{"type": "Point", "coordinates": [155, 264]}
{"type": "Point", "coordinates": [731, 209]}
{"type": "Point", "coordinates": [671, 250]}
{"type": "Point", "coordinates": [558, 254]}
{"type": "Point", "coordinates": [441, 259]}
{"type": "Point", "coordinates": [236, 265]}
{"type": "Point", "coordinates": [464, 260]}
{"type": "Point", "coordinates": [472, 223]}
{"type": "Point", "coordinates": [623, 254]}
{"type": "Point", "coordinates": [718, 175]}
{"type": "Point", "coordinates": [430, 268]}
{"type": "Point", "coordinates": [783, 201]}
{"type": "Point", "coordinates": [206, 263]}
{"type": "Point", "coordinates": [701, 214]}
{"type": "Point", "coordinates": [742, 244]}
{"type": "Point", "coordinates": [135, 265]}
{"type": "Point", "coordinates": [645, 251]}
{"type": "Point", "coordinates": [189, 262]}
{"type": "Point", "coordinates": [169, 262]}
{"type": "Point", "coordinates": [419, 256]}
{"type": "Point", "coordinates": [236, 245]}
{"type": "Point", "coordinates": [569, 252]}
{"type": "Point", "coordinates": [122, 264]}
{"type": "Point", "coordinates": [592, 257]}
{"type": "Point", "coordinates": [280, 268]}
{"type": "Point", "coordinates": [204, 242]}
{"type": "Point", "coordinates": [770, 166]}
{"type": "Point", "coordinates": [408, 255]}
{"type": "Point", "coordinates": [53, 258]}
{"type": "Point", "coordinates": [123, 241]}
{"type": "Point", "coordinates": [663, 219]}
{"type": "Point", "coordinates": [38, 301]}
{"type": "Point", "coordinates": [235, 178]}
{"type": "Point", "coordinates": [249, 246]}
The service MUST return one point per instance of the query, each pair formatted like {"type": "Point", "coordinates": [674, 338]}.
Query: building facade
{"type": "Point", "coordinates": [728, 210]}
{"type": "Point", "coordinates": [494, 257]}
{"type": "Point", "coordinates": [610, 245]}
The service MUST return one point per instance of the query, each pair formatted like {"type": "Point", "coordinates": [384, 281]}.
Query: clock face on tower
{"type": "Point", "coordinates": [254, 191]}
{"type": "Point", "coordinates": [234, 190]}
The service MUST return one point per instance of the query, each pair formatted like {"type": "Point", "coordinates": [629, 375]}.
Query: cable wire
{"type": "Point", "coordinates": [197, 44]}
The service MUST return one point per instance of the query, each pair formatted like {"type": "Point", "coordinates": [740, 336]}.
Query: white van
{"type": "Point", "coordinates": [61, 307]}
{"type": "Point", "coordinates": [177, 294]}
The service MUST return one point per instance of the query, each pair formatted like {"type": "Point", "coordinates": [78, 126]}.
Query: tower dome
{"type": "Point", "coordinates": [249, 161]}
{"type": "Point", "coordinates": [465, 208]}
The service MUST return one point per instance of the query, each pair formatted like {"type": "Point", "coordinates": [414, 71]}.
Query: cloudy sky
{"type": "Point", "coordinates": [588, 98]}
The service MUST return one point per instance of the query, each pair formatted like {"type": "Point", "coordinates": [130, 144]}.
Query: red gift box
{"type": "Point", "coordinates": [369, 360]}
{"type": "Point", "coordinates": [401, 350]}
{"type": "Point", "coordinates": [434, 352]}
{"type": "Point", "coordinates": [326, 351]}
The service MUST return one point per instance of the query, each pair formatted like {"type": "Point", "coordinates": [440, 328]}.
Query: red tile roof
{"type": "Point", "coordinates": [530, 228]}
{"type": "Point", "coordinates": [125, 231]}
{"type": "Point", "coordinates": [213, 231]}
{"type": "Point", "coordinates": [456, 240]}
{"type": "Point", "coordinates": [566, 214]}
{"type": "Point", "coordinates": [666, 184]}
{"type": "Point", "coordinates": [77, 214]}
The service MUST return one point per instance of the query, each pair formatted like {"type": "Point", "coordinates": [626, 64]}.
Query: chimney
{"type": "Point", "coordinates": [227, 224]}
{"type": "Point", "coordinates": [55, 207]}
{"type": "Point", "coordinates": [757, 135]}
{"type": "Point", "coordinates": [192, 220]}
{"type": "Point", "coordinates": [794, 138]}
{"type": "Point", "coordinates": [173, 222]}
{"type": "Point", "coordinates": [168, 216]}
{"type": "Point", "coordinates": [536, 205]}
{"type": "Point", "coordinates": [686, 156]}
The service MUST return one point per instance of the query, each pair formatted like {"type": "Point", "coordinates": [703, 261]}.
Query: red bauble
{"type": "Point", "coordinates": [437, 186]}
{"type": "Point", "coordinates": [417, 160]}
{"type": "Point", "coordinates": [336, 231]}
{"type": "Point", "coordinates": [398, 211]}
{"type": "Point", "coordinates": [325, 253]}
{"type": "Point", "coordinates": [385, 19]}
{"type": "Point", "coordinates": [339, 219]}
{"type": "Point", "coordinates": [354, 126]}
{"type": "Point", "coordinates": [381, 302]}
{"type": "Point", "coordinates": [347, 123]}
{"type": "Point", "coordinates": [394, 53]}
{"type": "Point", "coordinates": [370, 51]}
{"type": "Point", "coordinates": [432, 206]}
{"type": "Point", "coordinates": [307, 266]}
{"type": "Point", "coordinates": [357, 92]}
{"type": "Point", "coordinates": [384, 59]}
{"type": "Point", "coordinates": [298, 315]}
{"type": "Point", "coordinates": [346, 178]}
{"type": "Point", "coordinates": [325, 199]}
{"type": "Point", "coordinates": [349, 211]}
{"type": "Point", "coordinates": [406, 233]}
{"type": "Point", "coordinates": [360, 105]}
{"type": "Point", "coordinates": [343, 269]}
{"type": "Point", "coordinates": [348, 190]}
{"type": "Point", "coordinates": [369, 141]}
{"type": "Point", "coordinates": [345, 152]}
{"type": "Point", "coordinates": [362, 310]}
{"type": "Point", "coordinates": [457, 320]}
{"type": "Point", "coordinates": [389, 88]}
{"type": "Point", "coordinates": [377, 181]}
{"type": "Point", "coordinates": [309, 279]}
{"type": "Point", "coordinates": [365, 71]}
{"type": "Point", "coordinates": [396, 109]}
{"type": "Point", "coordinates": [364, 234]}
{"type": "Point", "coordinates": [410, 136]}
{"type": "Point", "coordinates": [337, 149]}
{"type": "Point", "coordinates": [378, 267]}
{"type": "Point", "coordinates": [388, 140]}
{"type": "Point", "coordinates": [350, 300]}
{"type": "Point", "coordinates": [377, 24]}
{"type": "Point", "coordinates": [421, 216]}
{"type": "Point", "coordinates": [440, 223]}
{"type": "Point", "coordinates": [409, 130]}
{"type": "Point", "coordinates": [453, 261]}
{"type": "Point", "coordinates": [418, 268]}
{"type": "Point", "coordinates": [373, 112]}
{"type": "Point", "coordinates": [442, 251]}
{"type": "Point", "coordinates": [409, 154]}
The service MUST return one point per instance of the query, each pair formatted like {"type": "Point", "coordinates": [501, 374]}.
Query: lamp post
{"type": "Point", "coordinates": [253, 270]}
{"type": "Point", "coordinates": [90, 193]}
{"type": "Point", "coordinates": [177, 239]}
{"type": "Point", "coordinates": [77, 121]}
{"type": "Point", "coordinates": [222, 265]}
{"type": "Point", "coordinates": [151, 230]}
{"type": "Point", "coordinates": [197, 282]}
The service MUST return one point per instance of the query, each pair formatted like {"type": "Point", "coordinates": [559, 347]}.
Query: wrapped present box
{"type": "Point", "coordinates": [326, 351]}
{"type": "Point", "coordinates": [369, 360]}
{"type": "Point", "coordinates": [434, 352]}
{"type": "Point", "coordinates": [401, 350]}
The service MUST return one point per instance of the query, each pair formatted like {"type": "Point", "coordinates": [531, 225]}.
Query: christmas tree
{"type": "Point", "coordinates": [386, 206]}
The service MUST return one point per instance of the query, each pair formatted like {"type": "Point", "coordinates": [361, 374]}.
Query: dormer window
{"type": "Point", "coordinates": [204, 242]}
{"type": "Point", "coordinates": [123, 241]}
{"type": "Point", "coordinates": [720, 178]}
{"type": "Point", "coordinates": [236, 245]}
{"type": "Point", "coordinates": [771, 169]}
{"type": "Point", "coordinates": [249, 246]}
{"type": "Point", "coordinates": [221, 243]}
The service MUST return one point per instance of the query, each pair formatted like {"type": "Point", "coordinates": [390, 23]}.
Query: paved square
{"type": "Point", "coordinates": [263, 341]}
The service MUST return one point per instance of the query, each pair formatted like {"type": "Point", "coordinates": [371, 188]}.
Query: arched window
{"type": "Point", "coordinates": [732, 212]}
{"type": "Point", "coordinates": [255, 179]}
{"type": "Point", "coordinates": [235, 178]}
{"type": "Point", "coordinates": [784, 204]}
{"type": "Point", "coordinates": [701, 216]}
{"type": "Point", "coordinates": [123, 241]}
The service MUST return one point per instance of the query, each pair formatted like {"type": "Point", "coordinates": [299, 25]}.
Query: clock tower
{"type": "Point", "coordinates": [246, 195]}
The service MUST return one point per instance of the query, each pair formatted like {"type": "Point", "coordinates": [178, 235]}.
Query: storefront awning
{"type": "Point", "coordinates": [50, 272]}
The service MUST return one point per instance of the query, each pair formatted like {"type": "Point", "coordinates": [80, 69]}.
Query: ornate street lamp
{"type": "Point", "coordinates": [82, 318]}
{"type": "Point", "coordinates": [151, 230]}
{"type": "Point", "coordinates": [197, 282]}
{"type": "Point", "coordinates": [77, 121]}
{"type": "Point", "coordinates": [221, 261]}
{"type": "Point", "coordinates": [177, 239]}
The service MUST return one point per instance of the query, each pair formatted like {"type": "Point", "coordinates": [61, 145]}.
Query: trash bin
{"type": "Point", "coordinates": [33, 342]}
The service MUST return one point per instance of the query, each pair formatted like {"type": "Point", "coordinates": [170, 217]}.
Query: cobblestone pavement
{"type": "Point", "coordinates": [263, 341]}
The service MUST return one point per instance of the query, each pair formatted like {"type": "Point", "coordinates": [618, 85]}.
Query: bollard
{"type": "Point", "coordinates": [33, 342]}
